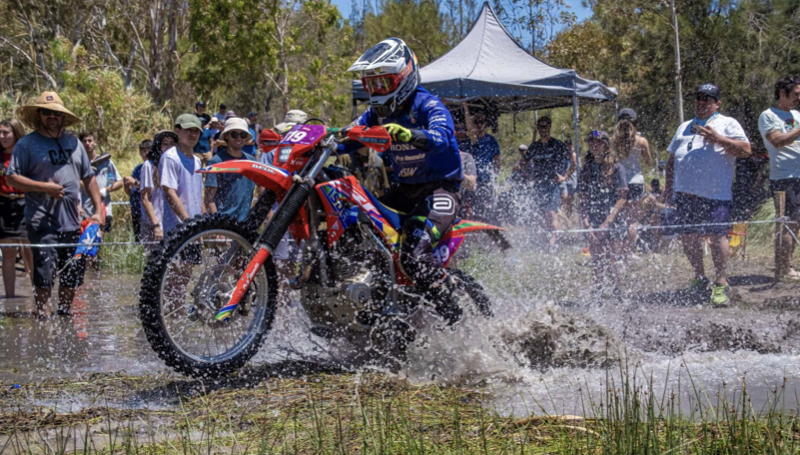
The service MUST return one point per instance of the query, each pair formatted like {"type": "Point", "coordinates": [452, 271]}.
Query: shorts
{"type": "Point", "coordinates": [572, 187]}
{"type": "Point", "coordinates": [562, 190]}
{"type": "Point", "coordinates": [12, 219]}
{"type": "Point", "coordinates": [635, 191]}
{"type": "Point", "coordinates": [546, 196]}
{"type": "Point", "coordinates": [47, 262]}
{"type": "Point", "coordinates": [668, 217]}
{"type": "Point", "coordinates": [107, 227]}
{"type": "Point", "coordinates": [792, 189]}
{"type": "Point", "coordinates": [694, 210]}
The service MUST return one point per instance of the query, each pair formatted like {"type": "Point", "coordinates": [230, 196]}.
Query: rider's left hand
{"type": "Point", "coordinates": [398, 133]}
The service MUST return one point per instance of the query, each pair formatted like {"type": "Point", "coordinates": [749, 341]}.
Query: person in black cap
{"type": "Point", "coordinates": [700, 173]}
{"type": "Point", "coordinates": [223, 110]}
{"type": "Point", "coordinates": [200, 112]}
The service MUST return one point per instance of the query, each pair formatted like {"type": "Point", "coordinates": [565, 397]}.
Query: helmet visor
{"type": "Point", "coordinates": [381, 85]}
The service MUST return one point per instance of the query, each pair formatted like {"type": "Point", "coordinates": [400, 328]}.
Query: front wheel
{"type": "Point", "coordinates": [190, 276]}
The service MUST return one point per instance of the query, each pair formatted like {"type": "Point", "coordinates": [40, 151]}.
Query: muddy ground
{"type": "Point", "coordinates": [548, 329]}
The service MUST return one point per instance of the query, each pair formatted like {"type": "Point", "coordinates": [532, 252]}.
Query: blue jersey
{"type": "Point", "coordinates": [439, 160]}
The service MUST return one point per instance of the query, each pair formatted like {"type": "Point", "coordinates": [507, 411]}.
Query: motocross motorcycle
{"type": "Point", "coordinates": [210, 291]}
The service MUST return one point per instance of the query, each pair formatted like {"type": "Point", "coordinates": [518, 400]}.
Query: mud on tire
{"type": "Point", "coordinates": [150, 300]}
{"type": "Point", "coordinates": [475, 291]}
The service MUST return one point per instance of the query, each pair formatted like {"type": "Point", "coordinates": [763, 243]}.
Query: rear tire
{"type": "Point", "coordinates": [475, 291]}
{"type": "Point", "coordinates": [151, 311]}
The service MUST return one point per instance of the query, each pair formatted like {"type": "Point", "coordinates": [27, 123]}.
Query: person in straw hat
{"type": "Point", "coordinates": [48, 165]}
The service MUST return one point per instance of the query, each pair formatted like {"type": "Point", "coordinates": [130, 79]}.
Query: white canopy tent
{"type": "Point", "coordinates": [489, 63]}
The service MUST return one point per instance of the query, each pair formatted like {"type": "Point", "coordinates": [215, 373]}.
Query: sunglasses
{"type": "Point", "coordinates": [48, 112]}
{"type": "Point", "coordinates": [705, 98]}
{"type": "Point", "coordinates": [461, 128]}
{"type": "Point", "coordinates": [238, 135]}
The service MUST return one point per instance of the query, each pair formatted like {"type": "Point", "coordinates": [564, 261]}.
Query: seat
{"type": "Point", "coordinates": [395, 218]}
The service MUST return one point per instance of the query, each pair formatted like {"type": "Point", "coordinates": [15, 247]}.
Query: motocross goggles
{"type": "Point", "coordinates": [384, 84]}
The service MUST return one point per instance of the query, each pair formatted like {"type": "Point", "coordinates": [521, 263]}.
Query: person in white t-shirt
{"type": "Point", "coordinates": [183, 187]}
{"type": "Point", "coordinates": [780, 128]}
{"type": "Point", "coordinates": [700, 174]}
{"type": "Point", "coordinates": [152, 212]}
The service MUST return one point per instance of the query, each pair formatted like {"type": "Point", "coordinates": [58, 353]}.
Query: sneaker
{"type": "Point", "coordinates": [719, 295]}
{"type": "Point", "coordinates": [699, 285]}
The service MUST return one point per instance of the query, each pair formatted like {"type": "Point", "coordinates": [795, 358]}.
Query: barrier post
{"type": "Point", "coordinates": [780, 212]}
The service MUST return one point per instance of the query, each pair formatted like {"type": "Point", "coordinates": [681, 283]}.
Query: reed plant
{"type": "Point", "coordinates": [373, 414]}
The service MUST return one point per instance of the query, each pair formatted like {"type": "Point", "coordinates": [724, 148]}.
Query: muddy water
{"type": "Point", "coordinates": [102, 335]}
{"type": "Point", "coordinates": [561, 346]}
{"type": "Point", "coordinates": [552, 347]}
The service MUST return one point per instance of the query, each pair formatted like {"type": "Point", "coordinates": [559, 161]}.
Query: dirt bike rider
{"type": "Point", "coordinates": [425, 159]}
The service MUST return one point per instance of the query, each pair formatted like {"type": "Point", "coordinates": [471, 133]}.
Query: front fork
{"type": "Point", "coordinates": [277, 226]}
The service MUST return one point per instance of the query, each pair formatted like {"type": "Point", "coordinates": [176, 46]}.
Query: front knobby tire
{"type": "Point", "coordinates": [150, 301]}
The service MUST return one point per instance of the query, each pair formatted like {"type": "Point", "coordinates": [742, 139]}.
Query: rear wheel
{"type": "Point", "coordinates": [190, 277]}
{"type": "Point", "coordinates": [470, 291]}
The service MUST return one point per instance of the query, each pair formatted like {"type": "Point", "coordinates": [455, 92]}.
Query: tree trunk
{"type": "Point", "coordinates": [172, 52]}
{"type": "Point", "coordinates": [156, 38]}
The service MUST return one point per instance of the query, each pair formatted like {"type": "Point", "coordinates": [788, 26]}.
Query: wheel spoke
{"type": "Point", "coordinates": [188, 290]}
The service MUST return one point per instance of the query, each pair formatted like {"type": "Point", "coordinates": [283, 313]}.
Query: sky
{"type": "Point", "coordinates": [580, 11]}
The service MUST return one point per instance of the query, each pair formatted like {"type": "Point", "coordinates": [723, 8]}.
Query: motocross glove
{"type": "Point", "coordinates": [398, 133]}
{"type": "Point", "coordinates": [402, 134]}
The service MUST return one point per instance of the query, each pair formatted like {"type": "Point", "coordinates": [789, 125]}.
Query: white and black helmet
{"type": "Point", "coordinates": [389, 74]}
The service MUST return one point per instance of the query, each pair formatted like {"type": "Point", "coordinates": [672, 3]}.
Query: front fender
{"type": "Point", "coordinates": [264, 175]}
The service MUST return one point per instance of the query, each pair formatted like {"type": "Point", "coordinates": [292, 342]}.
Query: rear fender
{"type": "Point", "coordinates": [264, 175]}
{"type": "Point", "coordinates": [451, 241]}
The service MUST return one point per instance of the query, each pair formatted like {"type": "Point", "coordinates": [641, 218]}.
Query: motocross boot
{"type": "Point", "coordinates": [443, 296]}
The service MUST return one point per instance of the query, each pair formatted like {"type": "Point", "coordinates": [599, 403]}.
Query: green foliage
{"type": "Point", "coordinates": [419, 23]}
{"type": "Point", "coordinates": [742, 46]}
{"type": "Point", "coordinates": [294, 52]}
{"type": "Point", "coordinates": [120, 118]}
{"type": "Point", "coordinates": [535, 21]}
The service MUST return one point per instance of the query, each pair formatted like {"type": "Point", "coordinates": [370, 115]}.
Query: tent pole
{"type": "Point", "coordinates": [576, 144]}
{"type": "Point", "coordinates": [514, 107]}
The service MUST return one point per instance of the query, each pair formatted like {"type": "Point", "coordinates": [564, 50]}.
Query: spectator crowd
{"type": "Point", "coordinates": [53, 180]}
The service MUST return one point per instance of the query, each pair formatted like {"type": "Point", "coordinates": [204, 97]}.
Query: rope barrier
{"type": "Point", "coordinates": [564, 231]}
{"type": "Point", "coordinates": [75, 245]}
{"type": "Point", "coordinates": [664, 227]}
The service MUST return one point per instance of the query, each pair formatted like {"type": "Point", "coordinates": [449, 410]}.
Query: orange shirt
{"type": "Point", "coordinates": [5, 188]}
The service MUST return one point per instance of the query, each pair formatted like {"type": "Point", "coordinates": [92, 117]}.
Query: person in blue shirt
{"type": "Point", "coordinates": [132, 187]}
{"type": "Point", "coordinates": [424, 157]}
{"type": "Point", "coordinates": [250, 145]}
{"type": "Point", "coordinates": [486, 151]}
{"type": "Point", "coordinates": [231, 194]}
{"type": "Point", "coordinates": [204, 149]}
